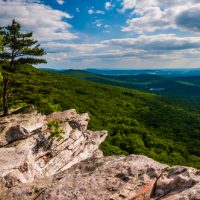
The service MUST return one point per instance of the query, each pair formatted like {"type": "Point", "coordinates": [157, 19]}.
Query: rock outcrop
{"type": "Point", "coordinates": [33, 165]}
{"type": "Point", "coordinates": [28, 151]}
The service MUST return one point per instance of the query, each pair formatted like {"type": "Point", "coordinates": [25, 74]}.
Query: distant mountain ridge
{"type": "Point", "coordinates": [159, 72]}
{"type": "Point", "coordinates": [182, 87]}
{"type": "Point", "coordinates": [117, 72]}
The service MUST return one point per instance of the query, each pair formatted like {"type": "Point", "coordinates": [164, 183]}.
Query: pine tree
{"type": "Point", "coordinates": [18, 49]}
{"type": "Point", "coordinates": [1, 43]}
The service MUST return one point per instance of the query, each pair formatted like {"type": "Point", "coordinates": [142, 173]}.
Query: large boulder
{"type": "Point", "coordinates": [20, 126]}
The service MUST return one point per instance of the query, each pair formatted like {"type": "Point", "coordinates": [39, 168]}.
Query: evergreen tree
{"type": "Point", "coordinates": [1, 43]}
{"type": "Point", "coordinates": [18, 49]}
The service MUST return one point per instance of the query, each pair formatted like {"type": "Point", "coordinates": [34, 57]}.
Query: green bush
{"type": "Point", "coordinates": [55, 129]}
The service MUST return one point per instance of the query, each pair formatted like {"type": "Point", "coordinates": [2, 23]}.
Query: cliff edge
{"type": "Point", "coordinates": [39, 162]}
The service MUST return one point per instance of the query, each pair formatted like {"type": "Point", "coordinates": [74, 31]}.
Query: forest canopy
{"type": "Point", "coordinates": [137, 122]}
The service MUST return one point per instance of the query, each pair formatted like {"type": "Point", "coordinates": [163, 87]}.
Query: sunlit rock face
{"type": "Point", "coordinates": [35, 165]}
{"type": "Point", "coordinates": [28, 151]}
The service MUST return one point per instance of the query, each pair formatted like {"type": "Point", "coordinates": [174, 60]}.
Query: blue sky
{"type": "Point", "coordinates": [92, 18]}
{"type": "Point", "coordinates": [123, 34]}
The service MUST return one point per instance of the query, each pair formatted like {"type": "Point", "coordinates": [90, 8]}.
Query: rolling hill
{"type": "Point", "coordinates": [182, 87]}
{"type": "Point", "coordinates": [173, 72]}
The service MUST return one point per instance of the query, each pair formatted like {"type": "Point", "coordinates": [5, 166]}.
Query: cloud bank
{"type": "Point", "coordinates": [154, 32]}
{"type": "Point", "coordinates": [152, 15]}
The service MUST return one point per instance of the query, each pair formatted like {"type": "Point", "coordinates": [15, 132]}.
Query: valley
{"type": "Point", "coordinates": [137, 122]}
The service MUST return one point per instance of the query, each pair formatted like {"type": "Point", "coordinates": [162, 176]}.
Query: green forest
{"type": "Point", "coordinates": [137, 122]}
{"type": "Point", "coordinates": [187, 88]}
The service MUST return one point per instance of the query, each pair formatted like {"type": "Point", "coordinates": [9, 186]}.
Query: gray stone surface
{"type": "Point", "coordinates": [113, 178]}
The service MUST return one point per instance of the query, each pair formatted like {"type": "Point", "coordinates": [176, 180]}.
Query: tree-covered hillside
{"type": "Point", "coordinates": [181, 87]}
{"type": "Point", "coordinates": [138, 122]}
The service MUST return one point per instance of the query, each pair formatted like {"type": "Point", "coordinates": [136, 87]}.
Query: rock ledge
{"type": "Point", "coordinates": [29, 152]}
{"type": "Point", "coordinates": [33, 165]}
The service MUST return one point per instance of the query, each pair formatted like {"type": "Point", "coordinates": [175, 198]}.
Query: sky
{"type": "Point", "coordinates": [108, 34]}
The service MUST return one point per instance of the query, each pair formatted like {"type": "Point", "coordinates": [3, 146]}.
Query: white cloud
{"type": "Point", "coordinates": [152, 15]}
{"type": "Point", "coordinates": [98, 25]}
{"type": "Point", "coordinates": [146, 51]}
{"type": "Point", "coordinates": [162, 42]}
{"type": "Point", "coordinates": [128, 4]}
{"type": "Point", "coordinates": [61, 2]}
{"type": "Point", "coordinates": [55, 47]}
{"type": "Point", "coordinates": [90, 12]}
{"type": "Point", "coordinates": [108, 5]}
{"type": "Point", "coordinates": [45, 22]}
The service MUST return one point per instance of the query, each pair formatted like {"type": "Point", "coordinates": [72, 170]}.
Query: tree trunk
{"type": "Point", "coordinates": [5, 96]}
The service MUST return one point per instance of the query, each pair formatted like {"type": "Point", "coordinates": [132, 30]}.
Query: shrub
{"type": "Point", "coordinates": [55, 129]}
